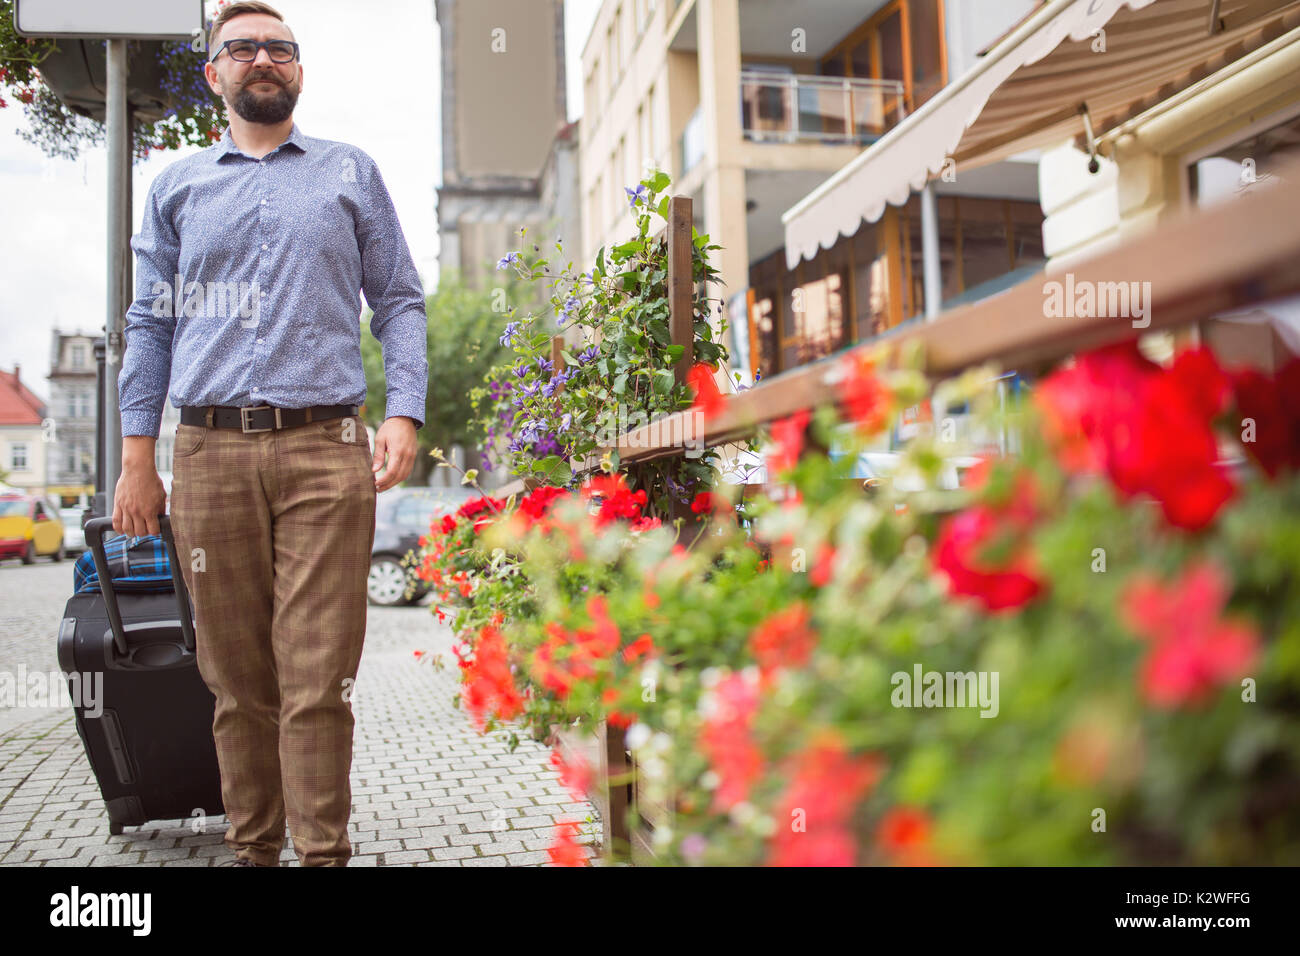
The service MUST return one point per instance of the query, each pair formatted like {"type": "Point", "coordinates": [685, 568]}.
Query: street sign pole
{"type": "Point", "coordinates": [118, 135]}
{"type": "Point", "coordinates": [115, 23]}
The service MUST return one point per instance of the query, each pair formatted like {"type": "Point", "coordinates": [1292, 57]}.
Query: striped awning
{"type": "Point", "coordinates": [1112, 59]}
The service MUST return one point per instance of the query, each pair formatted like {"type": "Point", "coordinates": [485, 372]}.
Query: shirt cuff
{"type": "Point", "coordinates": [397, 405]}
{"type": "Point", "coordinates": [144, 423]}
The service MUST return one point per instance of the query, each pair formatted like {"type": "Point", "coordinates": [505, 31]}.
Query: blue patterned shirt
{"type": "Point", "coordinates": [248, 280]}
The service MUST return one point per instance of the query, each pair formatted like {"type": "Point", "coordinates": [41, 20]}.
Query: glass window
{"type": "Point", "coordinates": [923, 19]}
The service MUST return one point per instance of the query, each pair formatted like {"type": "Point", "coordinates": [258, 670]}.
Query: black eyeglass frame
{"type": "Point", "coordinates": [258, 46]}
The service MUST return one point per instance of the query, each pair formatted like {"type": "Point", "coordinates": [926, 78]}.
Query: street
{"type": "Point", "coordinates": [427, 789]}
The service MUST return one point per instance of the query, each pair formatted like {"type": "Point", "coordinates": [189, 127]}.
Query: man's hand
{"type": "Point", "coordinates": [139, 497]}
{"type": "Point", "coordinates": [395, 440]}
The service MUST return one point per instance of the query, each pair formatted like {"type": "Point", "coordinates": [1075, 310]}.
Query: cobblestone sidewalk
{"type": "Point", "coordinates": [427, 789]}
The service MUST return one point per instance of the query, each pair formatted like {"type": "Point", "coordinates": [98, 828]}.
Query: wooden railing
{"type": "Point", "coordinates": [1225, 258]}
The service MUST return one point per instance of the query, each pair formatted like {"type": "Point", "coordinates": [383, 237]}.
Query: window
{"type": "Point", "coordinates": [414, 512]}
{"type": "Point", "coordinates": [903, 41]}
{"type": "Point", "coordinates": [71, 461]}
{"type": "Point", "coordinates": [925, 26]}
{"type": "Point", "coordinates": [643, 133]}
{"type": "Point", "coordinates": [652, 123]}
{"type": "Point", "coordinates": [18, 456]}
{"type": "Point", "coordinates": [78, 356]}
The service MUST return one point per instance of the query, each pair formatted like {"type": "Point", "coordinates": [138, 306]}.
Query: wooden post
{"type": "Point", "coordinates": [557, 359]}
{"type": "Point", "coordinates": [681, 283]}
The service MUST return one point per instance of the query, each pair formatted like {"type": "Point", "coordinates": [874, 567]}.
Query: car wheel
{"type": "Point", "coordinates": [30, 554]}
{"type": "Point", "coordinates": [386, 585]}
{"type": "Point", "coordinates": [57, 555]}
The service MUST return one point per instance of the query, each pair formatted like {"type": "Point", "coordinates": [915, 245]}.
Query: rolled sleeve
{"type": "Point", "coordinates": [393, 291]}
{"type": "Point", "coordinates": [147, 358]}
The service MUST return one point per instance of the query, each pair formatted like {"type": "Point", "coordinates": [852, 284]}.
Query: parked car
{"type": "Point", "coordinates": [402, 515]}
{"type": "Point", "coordinates": [29, 527]}
{"type": "Point", "coordinates": [74, 539]}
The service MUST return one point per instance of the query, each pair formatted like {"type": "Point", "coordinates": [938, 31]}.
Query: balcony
{"type": "Point", "coordinates": [794, 108]}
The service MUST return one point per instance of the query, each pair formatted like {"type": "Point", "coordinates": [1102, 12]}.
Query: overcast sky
{"type": "Point", "coordinates": [52, 244]}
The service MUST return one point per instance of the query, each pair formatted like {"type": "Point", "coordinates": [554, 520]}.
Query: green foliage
{"type": "Point", "coordinates": [620, 373]}
{"type": "Point", "coordinates": [462, 345]}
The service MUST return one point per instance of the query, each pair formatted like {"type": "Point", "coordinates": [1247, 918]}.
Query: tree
{"type": "Point", "coordinates": [464, 343]}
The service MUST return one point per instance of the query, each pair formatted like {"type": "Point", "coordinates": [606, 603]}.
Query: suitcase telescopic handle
{"type": "Point", "coordinates": [94, 530]}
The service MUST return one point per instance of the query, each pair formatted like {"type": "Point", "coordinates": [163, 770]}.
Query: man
{"type": "Point", "coordinates": [251, 257]}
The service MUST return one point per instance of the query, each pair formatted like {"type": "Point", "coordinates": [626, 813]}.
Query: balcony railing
{"type": "Point", "coordinates": [790, 107]}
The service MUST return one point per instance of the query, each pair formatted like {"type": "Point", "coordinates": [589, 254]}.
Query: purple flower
{"type": "Point", "coordinates": [508, 338]}
{"type": "Point", "coordinates": [588, 355]}
{"type": "Point", "coordinates": [544, 365]}
{"type": "Point", "coordinates": [565, 422]}
{"type": "Point", "coordinates": [634, 196]}
{"type": "Point", "coordinates": [508, 259]}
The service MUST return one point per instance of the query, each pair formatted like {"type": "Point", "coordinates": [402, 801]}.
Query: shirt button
{"type": "Point", "coordinates": [263, 202]}
{"type": "Point", "coordinates": [259, 341]}
{"type": "Point", "coordinates": [264, 245]}
{"type": "Point", "coordinates": [264, 295]}
{"type": "Point", "coordinates": [255, 388]}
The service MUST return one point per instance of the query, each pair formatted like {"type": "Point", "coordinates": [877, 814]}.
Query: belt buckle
{"type": "Point", "coordinates": [245, 412]}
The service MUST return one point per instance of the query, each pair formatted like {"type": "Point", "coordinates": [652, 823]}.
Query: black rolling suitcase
{"type": "Point", "coordinates": [151, 747]}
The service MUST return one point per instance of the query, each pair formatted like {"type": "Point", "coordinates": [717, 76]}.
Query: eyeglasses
{"type": "Point", "coordinates": [245, 51]}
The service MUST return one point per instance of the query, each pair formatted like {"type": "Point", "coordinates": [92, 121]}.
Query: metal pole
{"type": "Point", "coordinates": [118, 135]}
{"type": "Point", "coordinates": [930, 253]}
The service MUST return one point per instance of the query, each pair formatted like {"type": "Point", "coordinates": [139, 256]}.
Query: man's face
{"type": "Point", "coordinates": [260, 91]}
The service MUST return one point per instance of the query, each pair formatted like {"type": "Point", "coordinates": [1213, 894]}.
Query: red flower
{"type": "Point", "coordinates": [616, 499]}
{"type": "Point", "coordinates": [538, 502]}
{"type": "Point", "coordinates": [867, 400]}
{"type": "Point", "coordinates": [1272, 436]}
{"type": "Point", "coordinates": [783, 640]}
{"type": "Point", "coordinates": [489, 684]}
{"type": "Point", "coordinates": [1194, 649]}
{"type": "Point", "coordinates": [576, 776]}
{"type": "Point", "coordinates": [787, 433]}
{"type": "Point", "coordinates": [958, 554]}
{"type": "Point", "coordinates": [904, 835]}
{"type": "Point", "coordinates": [565, 659]}
{"type": "Point", "coordinates": [645, 523]}
{"type": "Point", "coordinates": [643, 646]}
{"type": "Point", "coordinates": [823, 568]}
{"type": "Point", "coordinates": [1148, 428]}
{"type": "Point", "coordinates": [814, 816]}
{"type": "Point", "coordinates": [702, 503]}
{"type": "Point", "coordinates": [565, 851]}
{"type": "Point", "coordinates": [727, 741]}
{"type": "Point", "coordinates": [708, 399]}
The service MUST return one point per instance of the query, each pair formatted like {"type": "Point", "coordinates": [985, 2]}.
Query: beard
{"type": "Point", "coordinates": [267, 108]}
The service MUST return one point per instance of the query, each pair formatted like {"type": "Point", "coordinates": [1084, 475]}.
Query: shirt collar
{"type": "Point", "coordinates": [226, 145]}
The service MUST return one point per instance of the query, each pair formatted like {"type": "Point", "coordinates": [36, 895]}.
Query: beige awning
{"type": "Point", "coordinates": [1029, 92]}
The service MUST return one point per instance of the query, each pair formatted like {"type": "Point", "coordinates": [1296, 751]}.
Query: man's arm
{"type": "Point", "coordinates": [150, 324]}
{"type": "Point", "coordinates": [139, 496]}
{"type": "Point", "coordinates": [394, 293]}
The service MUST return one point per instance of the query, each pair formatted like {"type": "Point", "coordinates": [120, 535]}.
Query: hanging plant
{"type": "Point", "coordinates": [58, 82]}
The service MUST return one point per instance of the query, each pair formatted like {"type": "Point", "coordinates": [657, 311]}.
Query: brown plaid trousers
{"type": "Point", "coordinates": [285, 521]}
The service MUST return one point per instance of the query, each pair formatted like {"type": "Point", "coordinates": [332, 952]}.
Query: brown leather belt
{"type": "Point", "coordinates": [262, 418]}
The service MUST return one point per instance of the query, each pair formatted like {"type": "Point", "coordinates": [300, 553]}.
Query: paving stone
{"type": "Point", "coordinates": [427, 789]}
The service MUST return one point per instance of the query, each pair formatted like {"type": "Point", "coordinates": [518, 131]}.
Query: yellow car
{"type": "Point", "coordinates": [29, 526]}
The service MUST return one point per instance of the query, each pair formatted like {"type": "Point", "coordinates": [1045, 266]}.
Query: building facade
{"type": "Point", "coordinates": [24, 430]}
{"type": "Point", "coordinates": [506, 146]}
{"type": "Point", "coordinates": [73, 382]}
{"type": "Point", "coordinates": [751, 104]}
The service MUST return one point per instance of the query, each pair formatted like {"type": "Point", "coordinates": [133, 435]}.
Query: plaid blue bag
{"type": "Point", "coordinates": [137, 563]}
